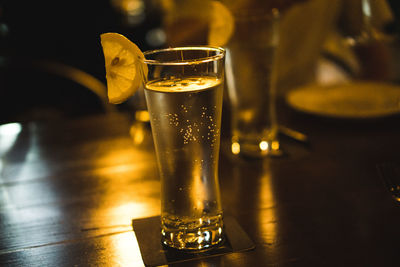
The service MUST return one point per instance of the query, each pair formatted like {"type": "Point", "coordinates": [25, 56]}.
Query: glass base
{"type": "Point", "coordinates": [192, 234]}
{"type": "Point", "coordinates": [255, 148]}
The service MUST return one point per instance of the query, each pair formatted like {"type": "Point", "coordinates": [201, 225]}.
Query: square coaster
{"type": "Point", "coordinates": [148, 234]}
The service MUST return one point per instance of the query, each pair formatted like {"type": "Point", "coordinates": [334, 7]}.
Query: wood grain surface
{"type": "Point", "coordinates": [70, 189]}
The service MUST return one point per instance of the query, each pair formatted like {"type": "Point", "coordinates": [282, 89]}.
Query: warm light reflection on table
{"type": "Point", "coordinates": [126, 250]}
{"type": "Point", "coordinates": [111, 166]}
{"type": "Point", "coordinates": [8, 134]}
{"type": "Point", "coordinates": [125, 166]}
{"type": "Point", "coordinates": [268, 220]}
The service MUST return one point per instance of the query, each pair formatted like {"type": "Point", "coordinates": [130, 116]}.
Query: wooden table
{"type": "Point", "coordinates": [69, 190]}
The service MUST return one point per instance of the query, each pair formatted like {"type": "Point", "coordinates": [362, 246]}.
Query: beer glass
{"type": "Point", "coordinates": [184, 91]}
{"type": "Point", "coordinates": [251, 83]}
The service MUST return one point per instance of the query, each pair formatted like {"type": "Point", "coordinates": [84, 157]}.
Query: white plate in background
{"type": "Point", "coordinates": [357, 100]}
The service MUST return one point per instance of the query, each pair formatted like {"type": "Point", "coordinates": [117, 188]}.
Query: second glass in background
{"type": "Point", "coordinates": [251, 83]}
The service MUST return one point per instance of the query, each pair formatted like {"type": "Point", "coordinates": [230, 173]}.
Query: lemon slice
{"type": "Point", "coordinates": [124, 66]}
{"type": "Point", "coordinates": [222, 24]}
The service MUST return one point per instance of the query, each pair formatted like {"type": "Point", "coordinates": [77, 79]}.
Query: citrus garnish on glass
{"type": "Point", "coordinates": [124, 66]}
{"type": "Point", "coordinates": [222, 24]}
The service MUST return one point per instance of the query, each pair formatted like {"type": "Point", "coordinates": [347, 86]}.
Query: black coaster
{"type": "Point", "coordinates": [148, 234]}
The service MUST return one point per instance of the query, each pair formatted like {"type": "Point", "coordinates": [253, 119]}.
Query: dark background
{"type": "Point", "coordinates": [67, 32]}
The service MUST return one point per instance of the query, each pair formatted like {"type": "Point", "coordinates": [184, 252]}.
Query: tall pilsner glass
{"type": "Point", "coordinates": [251, 83]}
{"type": "Point", "coordinates": [184, 90]}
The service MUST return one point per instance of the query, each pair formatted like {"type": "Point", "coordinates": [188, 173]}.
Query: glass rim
{"type": "Point", "coordinates": [185, 61]}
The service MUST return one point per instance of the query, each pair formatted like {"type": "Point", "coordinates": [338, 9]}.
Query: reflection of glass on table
{"type": "Point", "coordinates": [184, 98]}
